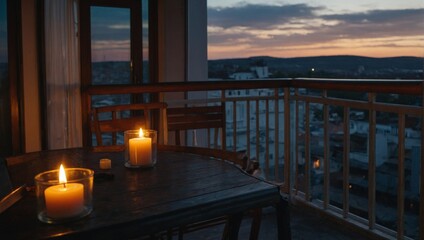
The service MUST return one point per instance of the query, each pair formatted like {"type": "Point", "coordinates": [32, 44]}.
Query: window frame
{"type": "Point", "coordinates": [13, 139]}
{"type": "Point", "coordinates": [136, 50]}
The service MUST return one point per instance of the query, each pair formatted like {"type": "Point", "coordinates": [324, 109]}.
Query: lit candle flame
{"type": "Point", "coordinates": [62, 175]}
{"type": "Point", "coordinates": [140, 133]}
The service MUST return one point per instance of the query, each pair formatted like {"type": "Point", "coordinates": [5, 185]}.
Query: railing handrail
{"type": "Point", "coordinates": [412, 87]}
{"type": "Point", "coordinates": [186, 86]}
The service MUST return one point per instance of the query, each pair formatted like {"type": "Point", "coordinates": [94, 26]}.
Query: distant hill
{"type": "Point", "coordinates": [326, 66]}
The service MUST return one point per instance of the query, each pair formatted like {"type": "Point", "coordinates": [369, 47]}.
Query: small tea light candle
{"type": "Point", "coordinates": [64, 200]}
{"type": "Point", "coordinates": [140, 150]}
{"type": "Point", "coordinates": [105, 163]}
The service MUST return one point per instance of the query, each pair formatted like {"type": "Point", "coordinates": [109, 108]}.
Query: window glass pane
{"type": "Point", "coordinates": [110, 45]}
{"type": "Point", "coordinates": [5, 124]}
{"type": "Point", "coordinates": [145, 24]}
{"type": "Point", "coordinates": [110, 51]}
{"type": "Point", "coordinates": [3, 35]}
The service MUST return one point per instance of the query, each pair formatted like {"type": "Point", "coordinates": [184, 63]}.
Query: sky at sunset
{"type": "Point", "coordinates": [278, 28]}
{"type": "Point", "coordinates": [375, 28]}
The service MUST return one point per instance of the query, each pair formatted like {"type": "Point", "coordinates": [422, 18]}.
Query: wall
{"type": "Point", "coordinates": [182, 45]}
{"type": "Point", "coordinates": [172, 52]}
{"type": "Point", "coordinates": [32, 124]}
{"type": "Point", "coordinates": [182, 40]}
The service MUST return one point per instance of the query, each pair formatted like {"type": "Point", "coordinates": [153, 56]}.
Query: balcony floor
{"type": "Point", "coordinates": [304, 226]}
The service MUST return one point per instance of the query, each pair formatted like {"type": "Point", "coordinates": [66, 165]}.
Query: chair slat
{"type": "Point", "coordinates": [197, 117]}
{"type": "Point", "coordinates": [115, 119]}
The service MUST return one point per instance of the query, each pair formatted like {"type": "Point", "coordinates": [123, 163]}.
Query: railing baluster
{"type": "Point", "coordinates": [257, 133]}
{"type": "Point", "coordinates": [326, 160]}
{"type": "Point", "coordinates": [346, 151]}
{"type": "Point", "coordinates": [401, 176]}
{"type": "Point", "coordinates": [296, 143]}
{"type": "Point", "coordinates": [307, 180]}
{"type": "Point", "coordinates": [234, 125]}
{"type": "Point", "coordinates": [276, 138]}
{"type": "Point", "coordinates": [267, 137]}
{"type": "Point", "coordinates": [224, 136]}
{"type": "Point", "coordinates": [209, 138]}
{"type": "Point", "coordinates": [248, 128]}
{"type": "Point", "coordinates": [371, 161]}
{"type": "Point", "coordinates": [287, 140]}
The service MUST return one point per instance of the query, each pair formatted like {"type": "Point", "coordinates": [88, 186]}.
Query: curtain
{"type": "Point", "coordinates": [63, 110]}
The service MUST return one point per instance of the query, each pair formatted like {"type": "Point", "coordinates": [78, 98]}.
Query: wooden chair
{"type": "Point", "coordinates": [110, 121]}
{"type": "Point", "coordinates": [237, 158]}
{"type": "Point", "coordinates": [210, 118]}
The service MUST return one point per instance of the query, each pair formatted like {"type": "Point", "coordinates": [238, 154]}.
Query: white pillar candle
{"type": "Point", "coordinates": [140, 150]}
{"type": "Point", "coordinates": [64, 200]}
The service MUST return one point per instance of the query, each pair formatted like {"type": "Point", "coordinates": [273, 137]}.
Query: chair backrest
{"type": "Point", "coordinates": [111, 121]}
{"type": "Point", "coordinates": [182, 119]}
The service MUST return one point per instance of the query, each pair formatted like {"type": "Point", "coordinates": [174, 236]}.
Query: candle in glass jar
{"type": "Point", "coordinates": [64, 200]}
{"type": "Point", "coordinates": [140, 150]}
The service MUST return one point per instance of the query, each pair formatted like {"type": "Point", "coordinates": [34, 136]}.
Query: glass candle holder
{"type": "Point", "coordinates": [140, 148]}
{"type": "Point", "coordinates": [64, 202]}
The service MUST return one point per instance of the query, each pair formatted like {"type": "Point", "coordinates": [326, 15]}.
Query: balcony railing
{"type": "Point", "coordinates": [348, 148]}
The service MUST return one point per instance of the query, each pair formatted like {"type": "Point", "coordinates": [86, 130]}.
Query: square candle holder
{"type": "Point", "coordinates": [64, 202]}
{"type": "Point", "coordinates": [140, 148]}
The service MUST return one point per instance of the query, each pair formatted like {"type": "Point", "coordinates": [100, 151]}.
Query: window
{"type": "Point", "coordinates": [10, 131]}
{"type": "Point", "coordinates": [111, 38]}
{"type": "Point", "coordinates": [4, 81]}
{"type": "Point", "coordinates": [114, 48]}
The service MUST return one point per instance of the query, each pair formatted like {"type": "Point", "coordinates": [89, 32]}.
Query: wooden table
{"type": "Point", "coordinates": [182, 188]}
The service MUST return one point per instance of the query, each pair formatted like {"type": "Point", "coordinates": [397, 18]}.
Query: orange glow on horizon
{"type": "Point", "coordinates": [378, 47]}
{"type": "Point", "coordinates": [243, 48]}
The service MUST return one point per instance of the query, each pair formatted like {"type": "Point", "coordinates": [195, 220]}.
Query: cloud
{"type": "Point", "coordinates": [113, 24]}
{"type": "Point", "coordinates": [258, 16]}
{"type": "Point", "coordinates": [119, 26]}
{"type": "Point", "coordinates": [110, 23]}
{"type": "Point", "coordinates": [301, 26]}
{"type": "Point", "coordinates": [378, 23]}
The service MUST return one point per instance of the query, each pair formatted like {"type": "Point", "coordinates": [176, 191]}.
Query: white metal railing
{"type": "Point", "coordinates": [392, 224]}
{"type": "Point", "coordinates": [257, 122]}
{"type": "Point", "coordinates": [253, 125]}
{"type": "Point", "coordinates": [325, 149]}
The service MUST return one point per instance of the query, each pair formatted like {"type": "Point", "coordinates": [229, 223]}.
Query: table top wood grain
{"type": "Point", "coordinates": [182, 188]}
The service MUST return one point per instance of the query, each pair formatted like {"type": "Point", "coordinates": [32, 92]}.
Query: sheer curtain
{"type": "Point", "coordinates": [64, 126]}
